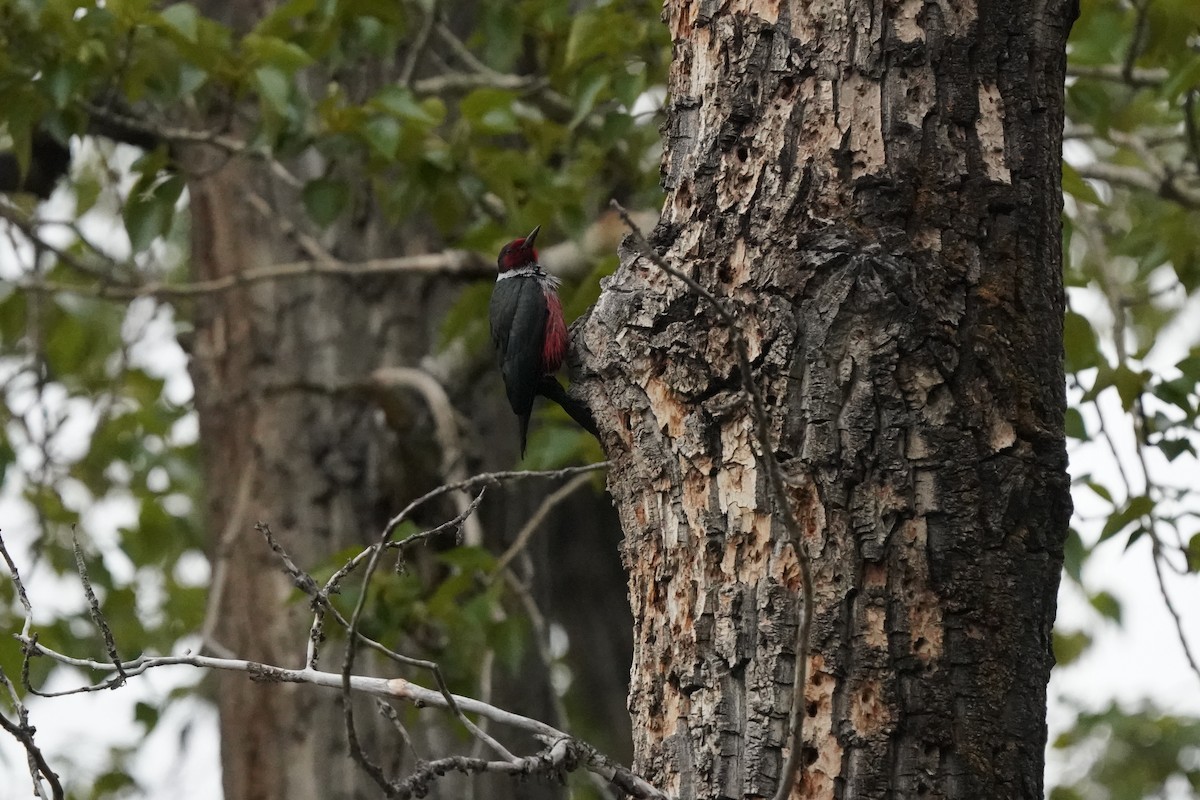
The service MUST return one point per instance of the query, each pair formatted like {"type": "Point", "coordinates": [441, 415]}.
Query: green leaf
{"type": "Point", "coordinates": [1108, 606]}
{"type": "Point", "coordinates": [1074, 185]}
{"type": "Point", "coordinates": [1193, 553]}
{"type": "Point", "coordinates": [1129, 385]}
{"type": "Point", "coordinates": [469, 559]}
{"type": "Point", "coordinates": [1074, 554]}
{"type": "Point", "coordinates": [383, 135]}
{"type": "Point", "coordinates": [111, 782]}
{"type": "Point", "coordinates": [1135, 509]}
{"type": "Point", "coordinates": [1100, 489]}
{"type": "Point", "coordinates": [490, 111]}
{"type": "Point", "coordinates": [1174, 448]}
{"type": "Point", "coordinates": [274, 87]}
{"type": "Point", "coordinates": [150, 209]}
{"type": "Point", "coordinates": [183, 19]}
{"type": "Point", "coordinates": [325, 199]}
{"type": "Point", "coordinates": [1074, 426]}
{"type": "Point", "coordinates": [1184, 80]}
{"type": "Point", "coordinates": [285, 56]}
{"type": "Point", "coordinates": [507, 638]}
{"type": "Point", "coordinates": [585, 96]}
{"type": "Point", "coordinates": [1079, 343]}
{"type": "Point", "coordinates": [1069, 646]}
{"type": "Point", "coordinates": [401, 102]}
{"type": "Point", "coordinates": [146, 714]}
{"type": "Point", "coordinates": [1190, 367]}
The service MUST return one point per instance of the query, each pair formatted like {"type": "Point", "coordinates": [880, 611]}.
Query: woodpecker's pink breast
{"type": "Point", "coordinates": [554, 344]}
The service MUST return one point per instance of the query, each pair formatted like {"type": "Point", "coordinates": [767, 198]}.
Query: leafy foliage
{"type": "Point", "coordinates": [1133, 755]}
{"type": "Point", "coordinates": [522, 116]}
{"type": "Point", "coordinates": [1132, 183]}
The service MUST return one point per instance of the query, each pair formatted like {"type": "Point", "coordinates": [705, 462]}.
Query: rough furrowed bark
{"type": "Point", "coordinates": [873, 189]}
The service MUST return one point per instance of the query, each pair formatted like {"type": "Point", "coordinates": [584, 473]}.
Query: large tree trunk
{"type": "Point", "coordinates": [874, 190]}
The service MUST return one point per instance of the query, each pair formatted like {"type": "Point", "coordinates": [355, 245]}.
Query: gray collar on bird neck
{"type": "Point", "coordinates": [531, 271]}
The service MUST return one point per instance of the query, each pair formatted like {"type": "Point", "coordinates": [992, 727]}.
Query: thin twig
{"type": "Point", "coordinates": [388, 712]}
{"type": "Point", "coordinates": [233, 526]}
{"type": "Point", "coordinates": [1142, 7]}
{"type": "Point", "coordinates": [484, 480]}
{"type": "Point", "coordinates": [417, 48]}
{"type": "Point", "coordinates": [446, 431]}
{"type": "Point", "coordinates": [1156, 557]}
{"type": "Point", "coordinates": [24, 597]}
{"type": "Point", "coordinates": [551, 501]}
{"type": "Point", "coordinates": [348, 659]}
{"type": "Point", "coordinates": [778, 491]}
{"type": "Point", "coordinates": [110, 643]}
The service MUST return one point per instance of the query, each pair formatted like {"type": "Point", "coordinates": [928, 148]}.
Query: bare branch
{"type": "Point", "coordinates": [1136, 77]}
{"type": "Point", "coordinates": [348, 660]}
{"type": "Point", "coordinates": [396, 688]}
{"type": "Point", "coordinates": [558, 757]}
{"type": "Point", "coordinates": [456, 263]}
{"type": "Point", "coordinates": [485, 480]}
{"type": "Point", "coordinates": [23, 733]}
{"type": "Point", "coordinates": [1166, 186]}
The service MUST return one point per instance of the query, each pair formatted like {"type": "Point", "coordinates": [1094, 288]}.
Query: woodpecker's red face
{"type": "Point", "coordinates": [519, 252]}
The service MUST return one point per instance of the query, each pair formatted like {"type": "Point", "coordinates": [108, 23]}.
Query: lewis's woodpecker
{"type": "Point", "coordinates": [529, 333]}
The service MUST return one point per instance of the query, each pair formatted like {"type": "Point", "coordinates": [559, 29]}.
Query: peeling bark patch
{"type": "Point", "coordinates": [875, 632]}
{"type": "Point", "coordinates": [737, 482]}
{"type": "Point", "coordinates": [668, 408]}
{"type": "Point", "coordinates": [989, 127]}
{"type": "Point", "coordinates": [924, 607]}
{"type": "Point", "coordinates": [1002, 434]}
{"type": "Point", "coordinates": [925, 626]}
{"type": "Point", "coordinates": [859, 120]}
{"type": "Point", "coordinates": [868, 712]}
{"type": "Point", "coordinates": [906, 24]}
{"type": "Point", "coordinates": [746, 557]}
{"type": "Point", "coordinates": [823, 759]}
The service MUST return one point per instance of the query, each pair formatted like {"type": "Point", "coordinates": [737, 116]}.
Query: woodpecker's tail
{"type": "Point", "coordinates": [551, 389]}
{"type": "Point", "coordinates": [524, 430]}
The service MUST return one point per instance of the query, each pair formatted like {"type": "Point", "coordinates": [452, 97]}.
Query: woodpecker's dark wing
{"type": "Point", "coordinates": [518, 316]}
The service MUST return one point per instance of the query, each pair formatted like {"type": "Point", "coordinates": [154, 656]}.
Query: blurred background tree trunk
{"type": "Point", "coordinates": [294, 434]}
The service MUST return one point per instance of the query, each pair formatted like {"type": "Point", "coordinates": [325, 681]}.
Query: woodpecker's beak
{"type": "Point", "coordinates": [532, 235]}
